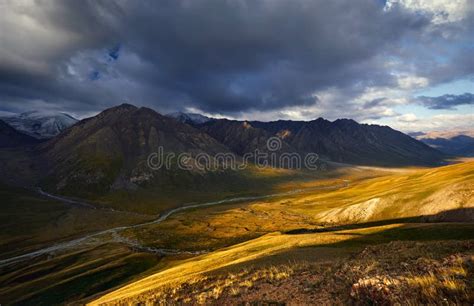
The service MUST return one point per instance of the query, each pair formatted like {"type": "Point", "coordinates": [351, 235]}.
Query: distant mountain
{"type": "Point", "coordinates": [347, 141]}
{"type": "Point", "coordinates": [41, 125]}
{"type": "Point", "coordinates": [9, 137]}
{"type": "Point", "coordinates": [110, 150]}
{"type": "Point", "coordinates": [189, 118]}
{"type": "Point", "coordinates": [343, 140]}
{"type": "Point", "coordinates": [416, 134]}
{"type": "Point", "coordinates": [447, 134]}
{"type": "Point", "coordinates": [461, 145]}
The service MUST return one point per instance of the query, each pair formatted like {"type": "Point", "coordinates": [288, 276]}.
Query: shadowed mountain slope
{"type": "Point", "coordinates": [9, 137]}
{"type": "Point", "coordinates": [342, 140]}
{"type": "Point", "coordinates": [241, 136]}
{"type": "Point", "coordinates": [110, 150]}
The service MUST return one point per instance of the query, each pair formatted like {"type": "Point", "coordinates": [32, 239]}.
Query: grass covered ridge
{"type": "Point", "coordinates": [324, 218]}
{"type": "Point", "coordinates": [244, 254]}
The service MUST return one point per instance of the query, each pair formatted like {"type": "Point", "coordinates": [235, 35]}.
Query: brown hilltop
{"type": "Point", "coordinates": [111, 149]}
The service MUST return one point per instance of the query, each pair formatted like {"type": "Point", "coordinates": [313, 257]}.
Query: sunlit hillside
{"type": "Point", "coordinates": [406, 205]}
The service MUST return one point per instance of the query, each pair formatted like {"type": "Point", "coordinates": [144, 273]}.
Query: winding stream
{"type": "Point", "coordinates": [114, 232]}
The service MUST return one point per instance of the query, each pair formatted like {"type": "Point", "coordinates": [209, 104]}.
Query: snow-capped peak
{"type": "Point", "coordinates": [40, 124]}
{"type": "Point", "coordinates": [189, 117]}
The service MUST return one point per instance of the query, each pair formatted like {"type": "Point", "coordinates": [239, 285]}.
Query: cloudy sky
{"type": "Point", "coordinates": [405, 63]}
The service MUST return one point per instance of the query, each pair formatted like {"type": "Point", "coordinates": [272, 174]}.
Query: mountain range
{"type": "Point", "coordinates": [108, 152]}
{"type": "Point", "coordinates": [342, 140]}
{"type": "Point", "coordinates": [456, 145]}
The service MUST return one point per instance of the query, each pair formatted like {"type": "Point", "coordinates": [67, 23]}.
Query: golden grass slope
{"type": "Point", "coordinates": [437, 194]}
{"type": "Point", "coordinates": [426, 192]}
{"type": "Point", "coordinates": [247, 251]}
{"type": "Point", "coordinates": [150, 288]}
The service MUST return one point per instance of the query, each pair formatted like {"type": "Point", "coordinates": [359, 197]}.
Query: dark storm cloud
{"type": "Point", "coordinates": [230, 56]}
{"type": "Point", "coordinates": [447, 101]}
{"type": "Point", "coordinates": [214, 55]}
